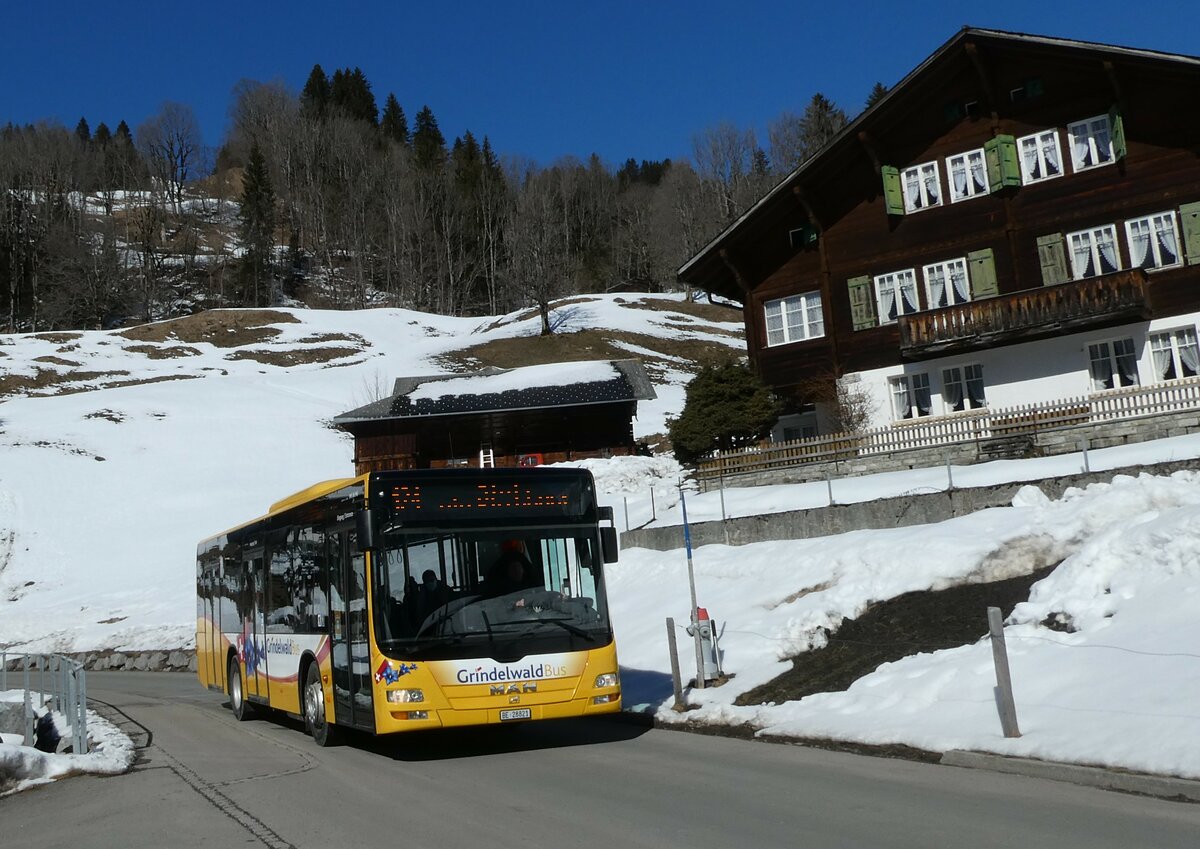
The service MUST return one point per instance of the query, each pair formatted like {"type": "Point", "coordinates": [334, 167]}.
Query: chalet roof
{"type": "Point", "coordinates": [709, 264]}
{"type": "Point", "coordinates": [494, 390]}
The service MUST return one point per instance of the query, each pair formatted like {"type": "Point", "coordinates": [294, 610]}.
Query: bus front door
{"type": "Point", "coordinates": [351, 655]}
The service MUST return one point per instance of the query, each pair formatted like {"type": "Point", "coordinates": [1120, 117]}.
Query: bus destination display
{"type": "Point", "coordinates": [427, 499]}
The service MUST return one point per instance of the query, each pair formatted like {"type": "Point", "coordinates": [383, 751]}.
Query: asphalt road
{"type": "Point", "coordinates": [205, 780]}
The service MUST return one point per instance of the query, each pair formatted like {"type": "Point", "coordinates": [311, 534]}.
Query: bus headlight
{"type": "Point", "coordinates": [405, 696]}
{"type": "Point", "coordinates": [608, 679]}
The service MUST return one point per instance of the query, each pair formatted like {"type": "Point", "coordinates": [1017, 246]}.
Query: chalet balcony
{"type": "Point", "coordinates": [1021, 316]}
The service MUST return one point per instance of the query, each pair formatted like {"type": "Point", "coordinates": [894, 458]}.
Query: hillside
{"type": "Point", "coordinates": [124, 448]}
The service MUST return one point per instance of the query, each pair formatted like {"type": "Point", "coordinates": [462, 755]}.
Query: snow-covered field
{"type": "Point", "coordinates": [103, 495]}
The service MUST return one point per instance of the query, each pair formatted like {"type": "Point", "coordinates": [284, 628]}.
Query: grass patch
{"type": "Point", "coordinates": [294, 356]}
{"type": "Point", "coordinates": [164, 352]}
{"type": "Point", "coordinates": [222, 328]}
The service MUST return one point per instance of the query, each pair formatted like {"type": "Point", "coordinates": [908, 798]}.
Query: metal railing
{"type": "Point", "coordinates": [977, 426]}
{"type": "Point", "coordinates": [54, 680]}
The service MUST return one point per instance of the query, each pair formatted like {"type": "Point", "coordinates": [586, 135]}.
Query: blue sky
{"type": "Point", "coordinates": [540, 79]}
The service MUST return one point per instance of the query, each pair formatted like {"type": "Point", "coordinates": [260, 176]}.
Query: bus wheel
{"type": "Point", "coordinates": [237, 693]}
{"type": "Point", "coordinates": [315, 720]}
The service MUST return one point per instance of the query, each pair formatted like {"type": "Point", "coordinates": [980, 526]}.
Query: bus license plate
{"type": "Point", "coordinates": [519, 713]}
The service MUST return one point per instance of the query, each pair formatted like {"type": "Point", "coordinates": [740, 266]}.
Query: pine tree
{"type": "Point", "coordinates": [876, 95]}
{"type": "Point", "coordinates": [103, 135]}
{"type": "Point", "coordinates": [257, 227]}
{"type": "Point", "coordinates": [315, 97]}
{"type": "Point", "coordinates": [726, 406]}
{"type": "Point", "coordinates": [428, 143]}
{"type": "Point", "coordinates": [820, 123]}
{"type": "Point", "coordinates": [350, 92]}
{"type": "Point", "coordinates": [82, 131]}
{"type": "Point", "coordinates": [123, 135]}
{"type": "Point", "coordinates": [394, 125]}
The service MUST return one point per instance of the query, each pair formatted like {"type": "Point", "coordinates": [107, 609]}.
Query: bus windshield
{"type": "Point", "coordinates": [497, 594]}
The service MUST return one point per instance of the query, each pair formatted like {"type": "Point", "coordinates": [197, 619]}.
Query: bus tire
{"type": "Point", "coordinates": [315, 721]}
{"type": "Point", "coordinates": [237, 693]}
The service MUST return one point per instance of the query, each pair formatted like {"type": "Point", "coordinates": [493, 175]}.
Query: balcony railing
{"type": "Point", "coordinates": [975, 426]}
{"type": "Point", "coordinates": [1024, 315]}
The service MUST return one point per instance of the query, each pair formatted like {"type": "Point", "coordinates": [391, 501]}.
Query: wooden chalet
{"type": "Point", "coordinates": [1017, 220]}
{"type": "Point", "coordinates": [501, 417]}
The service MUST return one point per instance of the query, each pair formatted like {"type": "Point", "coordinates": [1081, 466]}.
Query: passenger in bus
{"type": "Point", "coordinates": [512, 570]}
{"type": "Point", "coordinates": [433, 592]}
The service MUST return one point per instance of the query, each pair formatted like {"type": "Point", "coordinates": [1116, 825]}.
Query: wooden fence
{"type": "Point", "coordinates": [978, 426]}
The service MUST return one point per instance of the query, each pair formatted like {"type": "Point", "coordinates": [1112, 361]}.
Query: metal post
{"type": "Point", "coordinates": [695, 615]}
{"type": "Point", "coordinates": [1004, 694]}
{"type": "Point", "coordinates": [626, 500]}
{"type": "Point", "coordinates": [676, 684]}
{"type": "Point", "coordinates": [3, 671]}
{"type": "Point", "coordinates": [722, 490]}
{"type": "Point", "coordinates": [72, 713]}
{"type": "Point", "coordinates": [949, 474]}
{"type": "Point", "coordinates": [28, 705]}
{"type": "Point", "coordinates": [653, 512]}
{"type": "Point", "coordinates": [1083, 444]}
{"type": "Point", "coordinates": [82, 748]}
{"type": "Point", "coordinates": [829, 486]}
{"type": "Point", "coordinates": [42, 680]}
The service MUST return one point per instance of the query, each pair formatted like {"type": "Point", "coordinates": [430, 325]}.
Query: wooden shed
{"type": "Point", "coordinates": [501, 417]}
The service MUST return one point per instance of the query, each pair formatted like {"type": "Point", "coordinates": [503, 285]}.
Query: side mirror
{"type": "Point", "coordinates": [365, 522]}
{"type": "Point", "coordinates": [608, 544]}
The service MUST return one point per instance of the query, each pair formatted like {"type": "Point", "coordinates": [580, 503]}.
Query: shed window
{"type": "Point", "coordinates": [1041, 156]}
{"type": "Point", "coordinates": [794, 319]}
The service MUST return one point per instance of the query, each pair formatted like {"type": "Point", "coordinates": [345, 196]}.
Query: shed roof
{"type": "Point", "coordinates": [495, 390]}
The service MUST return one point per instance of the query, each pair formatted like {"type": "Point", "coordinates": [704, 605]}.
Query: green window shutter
{"type": "Point", "coordinates": [1189, 214]}
{"type": "Point", "coordinates": [893, 197]}
{"type": "Point", "coordinates": [982, 270]}
{"type": "Point", "coordinates": [1000, 153]}
{"type": "Point", "coordinates": [1116, 127]}
{"type": "Point", "coordinates": [1053, 257]}
{"type": "Point", "coordinates": [862, 311]}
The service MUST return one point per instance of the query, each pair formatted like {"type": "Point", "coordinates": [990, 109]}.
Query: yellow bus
{"type": "Point", "coordinates": [407, 600]}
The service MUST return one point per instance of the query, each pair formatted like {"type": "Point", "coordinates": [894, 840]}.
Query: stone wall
{"type": "Point", "coordinates": [166, 660]}
{"type": "Point", "coordinates": [894, 512]}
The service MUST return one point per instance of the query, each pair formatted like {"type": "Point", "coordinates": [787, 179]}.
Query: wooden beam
{"type": "Point", "coordinates": [1110, 71]}
{"type": "Point", "coordinates": [983, 74]}
{"type": "Point", "coordinates": [738, 277]}
{"type": "Point", "coordinates": [869, 145]}
{"type": "Point", "coordinates": [802, 198]}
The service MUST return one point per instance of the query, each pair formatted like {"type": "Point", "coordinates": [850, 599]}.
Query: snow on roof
{"type": "Point", "coordinates": [551, 374]}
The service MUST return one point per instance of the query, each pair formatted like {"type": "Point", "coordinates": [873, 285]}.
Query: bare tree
{"type": "Point", "coordinates": [172, 145]}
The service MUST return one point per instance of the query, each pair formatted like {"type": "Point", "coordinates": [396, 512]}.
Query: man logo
{"type": "Point", "coordinates": [503, 690]}
{"type": "Point", "coordinates": [514, 700]}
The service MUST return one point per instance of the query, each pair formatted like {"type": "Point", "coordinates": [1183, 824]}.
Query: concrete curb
{"type": "Point", "coordinates": [1181, 789]}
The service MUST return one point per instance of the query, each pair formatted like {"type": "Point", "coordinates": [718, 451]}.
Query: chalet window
{"type": "Point", "coordinates": [1153, 241]}
{"type": "Point", "coordinates": [922, 187]}
{"type": "Point", "coordinates": [896, 294]}
{"type": "Point", "coordinates": [968, 175]}
{"type": "Point", "coordinates": [910, 396]}
{"type": "Point", "coordinates": [1094, 252]}
{"type": "Point", "coordinates": [1041, 157]}
{"type": "Point", "coordinates": [1175, 354]}
{"type": "Point", "coordinates": [1091, 143]}
{"type": "Point", "coordinates": [946, 283]}
{"type": "Point", "coordinates": [962, 388]}
{"type": "Point", "coordinates": [1113, 364]}
{"type": "Point", "coordinates": [794, 319]}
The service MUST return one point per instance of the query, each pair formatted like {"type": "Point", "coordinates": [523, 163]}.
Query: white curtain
{"type": "Point", "coordinates": [958, 277]}
{"type": "Point", "coordinates": [975, 387]}
{"type": "Point", "coordinates": [912, 189]}
{"type": "Point", "coordinates": [1188, 353]}
{"type": "Point", "coordinates": [1139, 243]}
{"type": "Point", "coordinates": [1081, 249]}
{"type": "Point", "coordinates": [1162, 360]}
{"type": "Point", "coordinates": [952, 388]}
{"type": "Point", "coordinates": [1030, 153]}
{"type": "Point", "coordinates": [887, 301]}
{"type": "Point", "coordinates": [1108, 250]}
{"type": "Point", "coordinates": [1050, 152]}
{"type": "Point", "coordinates": [937, 287]}
{"type": "Point", "coordinates": [1166, 240]}
{"type": "Point", "coordinates": [1102, 373]}
{"type": "Point", "coordinates": [1079, 139]}
{"type": "Point", "coordinates": [932, 189]}
{"type": "Point", "coordinates": [921, 394]}
{"type": "Point", "coordinates": [958, 173]}
{"type": "Point", "coordinates": [978, 173]}
{"type": "Point", "coordinates": [908, 291]}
